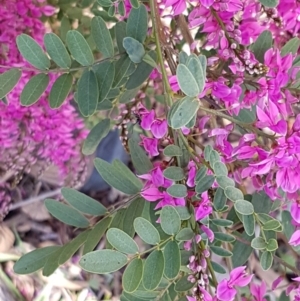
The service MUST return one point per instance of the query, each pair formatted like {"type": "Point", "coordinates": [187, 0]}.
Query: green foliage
{"type": "Point", "coordinates": [96, 234]}
{"type": "Point", "coordinates": [243, 207]}
{"type": "Point", "coordinates": [224, 237]}
{"type": "Point", "coordinates": [218, 268]}
{"type": "Point", "coordinates": [233, 194]}
{"type": "Point", "coordinates": [291, 46]}
{"type": "Point", "coordinates": [186, 81]}
{"type": "Point", "coordinates": [241, 250]}
{"type": "Point", "coordinates": [183, 284]}
{"type": "Point", "coordinates": [222, 222]}
{"type": "Point", "coordinates": [121, 241]}
{"type": "Point", "coordinates": [185, 234]}
{"type": "Point", "coordinates": [79, 48]}
{"type": "Point", "coordinates": [219, 199]}
{"type": "Point", "coordinates": [88, 93]}
{"type": "Point", "coordinates": [249, 224]}
{"type": "Point", "coordinates": [101, 36]}
{"type": "Point", "coordinates": [258, 243]}
{"type": "Point", "coordinates": [220, 251]}
{"type": "Point", "coordinates": [177, 190]}
{"type": "Point", "coordinates": [34, 89]}
{"type": "Point", "coordinates": [146, 231]}
{"type": "Point", "coordinates": [140, 160]}
{"type": "Point", "coordinates": [103, 261]}
{"type": "Point", "coordinates": [183, 111]}
{"type": "Point", "coordinates": [170, 220]}
{"type": "Point", "coordinates": [66, 214]}
{"type": "Point", "coordinates": [262, 44]}
{"type": "Point", "coordinates": [82, 202]}
{"type": "Point", "coordinates": [57, 50]}
{"type": "Point", "coordinates": [134, 49]}
{"type": "Point", "coordinates": [137, 23]}
{"type": "Point", "coordinates": [132, 276]}
{"type": "Point", "coordinates": [97, 133]}
{"type": "Point", "coordinates": [266, 260]}
{"type": "Point", "coordinates": [220, 169]}
{"type": "Point", "coordinates": [32, 52]}
{"type": "Point", "coordinates": [60, 90]}
{"type": "Point", "coordinates": [34, 260]}
{"type": "Point", "coordinates": [120, 178]}
{"type": "Point", "coordinates": [204, 184]}
{"type": "Point", "coordinates": [224, 181]}
{"type": "Point", "coordinates": [153, 270]}
{"type": "Point", "coordinates": [269, 3]}
{"type": "Point", "coordinates": [8, 81]}
{"type": "Point", "coordinates": [172, 259]}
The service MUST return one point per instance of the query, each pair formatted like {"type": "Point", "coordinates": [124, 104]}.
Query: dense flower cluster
{"type": "Point", "coordinates": [37, 135]}
{"type": "Point", "coordinates": [237, 80]}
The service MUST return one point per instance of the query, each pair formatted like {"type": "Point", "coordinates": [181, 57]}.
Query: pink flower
{"type": "Point", "coordinates": [204, 209]}
{"type": "Point", "coordinates": [295, 239]}
{"type": "Point", "coordinates": [238, 277]}
{"type": "Point", "coordinates": [258, 291]}
{"type": "Point", "coordinates": [147, 119]}
{"type": "Point", "coordinates": [150, 145]}
{"type": "Point", "coordinates": [295, 212]}
{"type": "Point", "coordinates": [210, 234]}
{"type": "Point", "coordinates": [178, 6]}
{"type": "Point", "coordinates": [159, 128]}
{"type": "Point", "coordinates": [151, 194]}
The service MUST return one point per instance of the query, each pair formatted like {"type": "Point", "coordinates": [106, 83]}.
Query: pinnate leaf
{"type": "Point", "coordinates": [8, 81]}
{"type": "Point", "coordinates": [170, 220]}
{"type": "Point", "coordinates": [132, 276]}
{"type": "Point", "coordinates": [146, 231]}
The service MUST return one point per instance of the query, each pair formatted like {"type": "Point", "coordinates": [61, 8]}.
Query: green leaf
{"type": "Point", "coordinates": [224, 237]}
{"type": "Point", "coordinates": [219, 199]}
{"type": "Point", "coordinates": [34, 89]}
{"type": "Point", "coordinates": [134, 49]}
{"type": "Point", "coordinates": [82, 202]}
{"type": "Point", "coordinates": [79, 48]}
{"type": "Point", "coordinates": [243, 207]}
{"type": "Point", "coordinates": [220, 169]}
{"type": "Point", "coordinates": [120, 33]}
{"type": "Point", "coordinates": [66, 214]}
{"type": "Point", "coordinates": [121, 241]}
{"type": "Point", "coordinates": [201, 173]}
{"type": "Point", "coordinates": [269, 3]}
{"type": "Point", "coordinates": [195, 68]}
{"type": "Point", "coordinates": [105, 73]}
{"type": "Point", "coordinates": [177, 190]}
{"type": "Point", "coordinates": [140, 160]}
{"type": "Point", "coordinates": [222, 222]}
{"type": "Point", "coordinates": [272, 225]}
{"type": "Point", "coordinates": [207, 150]}
{"type": "Point", "coordinates": [183, 284]}
{"type": "Point", "coordinates": [88, 93]}
{"type": "Point", "coordinates": [261, 202]}
{"type": "Point", "coordinates": [185, 110]}
{"type": "Point", "coordinates": [214, 157]}
{"type": "Point", "coordinates": [224, 181]}
{"type": "Point", "coordinates": [57, 50]}
{"type": "Point", "coordinates": [71, 247]}
{"type": "Point", "coordinates": [96, 234]}
{"type": "Point", "coordinates": [258, 243]}
{"type": "Point", "coordinates": [187, 82]}
{"type": "Point", "coordinates": [146, 231]}
{"type": "Point", "coordinates": [102, 37]}
{"type": "Point", "coordinates": [33, 260]}
{"type": "Point", "coordinates": [183, 212]}
{"type": "Point", "coordinates": [137, 23]}
{"type": "Point", "coordinates": [291, 46]}
{"type": "Point", "coordinates": [233, 194]}
{"type": "Point", "coordinates": [249, 224]}
{"type": "Point", "coordinates": [172, 259]}
{"type": "Point", "coordinates": [124, 67]}
{"type": "Point", "coordinates": [286, 220]}
{"type": "Point", "coordinates": [218, 268]}
{"type": "Point", "coordinates": [97, 133]}
{"type": "Point", "coordinates": [103, 261]}
{"type": "Point", "coordinates": [272, 245]}
{"type": "Point", "coordinates": [135, 3]}
{"type": "Point", "coordinates": [32, 52]}
{"type": "Point", "coordinates": [115, 178]}
{"type": "Point", "coordinates": [185, 234]}
{"type": "Point", "coordinates": [149, 60]}
{"type": "Point", "coordinates": [241, 251]}
{"type": "Point", "coordinates": [153, 270]}
{"type": "Point", "coordinates": [203, 61]}
{"type": "Point", "coordinates": [134, 210]}
{"type": "Point", "coordinates": [172, 151]}
{"type": "Point", "coordinates": [262, 44]}
{"type": "Point", "coordinates": [8, 81]}
{"type": "Point", "coordinates": [60, 90]}
{"type": "Point", "coordinates": [121, 9]}
{"type": "Point", "coordinates": [142, 72]}
{"type": "Point", "coordinates": [174, 173]}
{"type": "Point", "coordinates": [52, 263]}
{"type": "Point", "coordinates": [220, 251]}
{"type": "Point", "coordinates": [132, 276]}
{"type": "Point", "coordinates": [266, 260]}
{"type": "Point", "coordinates": [204, 184]}
{"type": "Point", "coordinates": [170, 220]}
